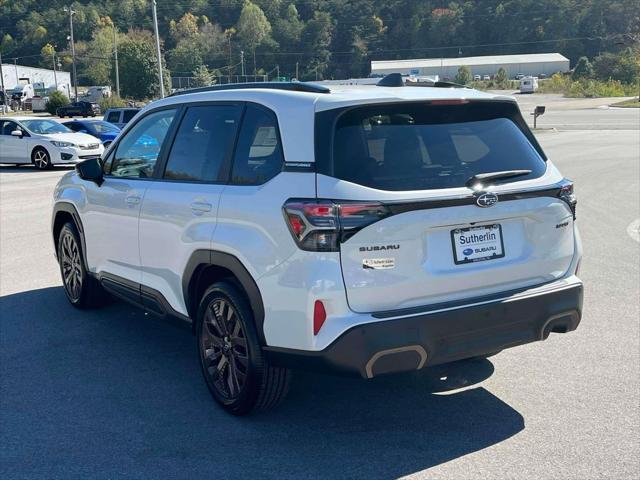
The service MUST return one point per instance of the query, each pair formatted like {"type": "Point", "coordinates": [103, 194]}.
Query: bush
{"type": "Point", "coordinates": [624, 66]}
{"type": "Point", "coordinates": [56, 100]}
{"type": "Point", "coordinates": [114, 101]}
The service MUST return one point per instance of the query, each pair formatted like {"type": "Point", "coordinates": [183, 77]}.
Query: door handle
{"type": "Point", "coordinates": [132, 200]}
{"type": "Point", "coordinates": [198, 208]}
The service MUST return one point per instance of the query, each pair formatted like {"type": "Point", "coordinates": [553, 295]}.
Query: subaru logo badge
{"type": "Point", "coordinates": [487, 200]}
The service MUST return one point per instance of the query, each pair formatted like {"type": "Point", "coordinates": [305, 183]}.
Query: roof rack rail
{"type": "Point", "coordinates": [291, 86]}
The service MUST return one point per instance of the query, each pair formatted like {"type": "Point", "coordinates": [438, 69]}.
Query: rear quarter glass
{"type": "Point", "coordinates": [419, 146]}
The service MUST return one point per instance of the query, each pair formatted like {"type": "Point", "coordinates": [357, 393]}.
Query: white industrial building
{"type": "Point", "coordinates": [532, 64]}
{"type": "Point", "coordinates": [14, 75]}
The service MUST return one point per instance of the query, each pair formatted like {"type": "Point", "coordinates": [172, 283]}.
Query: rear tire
{"type": "Point", "coordinates": [41, 158]}
{"type": "Point", "coordinates": [82, 290]}
{"type": "Point", "coordinates": [232, 362]}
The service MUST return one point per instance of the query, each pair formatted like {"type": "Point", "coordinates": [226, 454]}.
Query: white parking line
{"type": "Point", "coordinates": [634, 230]}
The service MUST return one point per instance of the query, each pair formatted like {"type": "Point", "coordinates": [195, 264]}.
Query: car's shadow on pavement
{"type": "Point", "coordinates": [114, 393]}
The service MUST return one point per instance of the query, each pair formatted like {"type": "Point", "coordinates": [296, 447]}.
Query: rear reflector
{"type": "Point", "coordinates": [319, 316]}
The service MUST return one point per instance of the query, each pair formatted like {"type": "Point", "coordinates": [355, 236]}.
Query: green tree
{"type": "Point", "coordinates": [583, 69]}
{"type": "Point", "coordinates": [202, 77]}
{"type": "Point", "coordinates": [138, 66]}
{"type": "Point", "coordinates": [98, 62]}
{"type": "Point", "coordinates": [463, 76]}
{"type": "Point", "coordinates": [623, 66]}
{"type": "Point", "coordinates": [317, 37]}
{"type": "Point", "coordinates": [253, 28]}
{"type": "Point", "coordinates": [501, 77]}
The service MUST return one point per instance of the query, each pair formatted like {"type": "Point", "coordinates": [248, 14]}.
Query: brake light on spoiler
{"type": "Point", "coordinates": [320, 225]}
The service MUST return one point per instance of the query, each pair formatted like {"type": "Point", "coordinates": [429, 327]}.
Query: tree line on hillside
{"type": "Point", "coordinates": [309, 39]}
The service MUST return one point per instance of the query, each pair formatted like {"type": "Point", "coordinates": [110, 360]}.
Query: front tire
{"type": "Point", "coordinates": [232, 362]}
{"type": "Point", "coordinates": [41, 158]}
{"type": "Point", "coordinates": [82, 290]}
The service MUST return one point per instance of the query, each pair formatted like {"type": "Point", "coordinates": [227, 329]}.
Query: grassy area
{"type": "Point", "coordinates": [585, 88]}
{"type": "Point", "coordinates": [633, 103]}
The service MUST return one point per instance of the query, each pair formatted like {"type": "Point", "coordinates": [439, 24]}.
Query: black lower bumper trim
{"type": "Point", "coordinates": [409, 343]}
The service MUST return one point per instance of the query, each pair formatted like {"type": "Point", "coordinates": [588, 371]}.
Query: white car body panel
{"type": "Point", "coordinates": [151, 241]}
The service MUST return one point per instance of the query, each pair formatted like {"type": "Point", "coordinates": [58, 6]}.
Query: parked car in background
{"type": "Point", "coordinates": [542, 75]}
{"type": "Point", "coordinates": [476, 78]}
{"type": "Point", "coordinates": [520, 76]}
{"type": "Point", "coordinates": [486, 77]}
{"type": "Point", "coordinates": [105, 131]}
{"type": "Point", "coordinates": [44, 142]}
{"type": "Point", "coordinates": [82, 108]}
{"type": "Point", "coordinates": [364, 231]}
{"type": "Point", "coordinates": [120, 116]}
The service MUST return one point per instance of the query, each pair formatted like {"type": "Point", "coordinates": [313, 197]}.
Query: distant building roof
{"type": "Point", "coordinates": [459, 61]}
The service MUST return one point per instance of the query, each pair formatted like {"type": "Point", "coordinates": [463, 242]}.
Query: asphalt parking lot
{"type": "Point", "coordinates": [114, 393]}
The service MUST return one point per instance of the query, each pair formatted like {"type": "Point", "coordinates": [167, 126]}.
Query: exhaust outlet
{"type": "Point", "coordinates": [394, 360]}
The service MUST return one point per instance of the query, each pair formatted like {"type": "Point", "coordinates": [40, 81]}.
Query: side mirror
{"type": "Point", "coordinates": [17, 133]}
{"type": "Point", "coordinates": [91, 170]}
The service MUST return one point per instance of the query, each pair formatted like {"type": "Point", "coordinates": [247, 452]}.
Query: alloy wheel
{"type": "Point", "coordinates": [41, 159]}
{"type": "Point", "coordinates": [223, 349]}
{"type": "Point", "coordinates": [71, 265]}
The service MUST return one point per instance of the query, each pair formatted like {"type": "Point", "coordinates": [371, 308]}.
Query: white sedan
{"type": "Point", "coordinates": [44, 142]}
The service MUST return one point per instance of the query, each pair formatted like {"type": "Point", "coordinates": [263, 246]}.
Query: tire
{"type": "Point", "coordinates": [41, 158]}
{"type": "Point", "coordinates": [82, 290]}
{"type": "Point", "coordinates": [231, 359]}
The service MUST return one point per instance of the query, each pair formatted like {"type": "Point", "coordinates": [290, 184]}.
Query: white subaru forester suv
{"type": "Point", "coordinates": [364, 230]}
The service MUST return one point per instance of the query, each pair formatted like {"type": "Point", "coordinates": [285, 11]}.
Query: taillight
{"type": "Point", "coordinates": [567, 195]}
{"type": "Point", "coordinates": [320, 225]}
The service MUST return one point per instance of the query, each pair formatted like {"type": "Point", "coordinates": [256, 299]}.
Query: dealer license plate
{"type": "Point", "coordinates": [477, 244]}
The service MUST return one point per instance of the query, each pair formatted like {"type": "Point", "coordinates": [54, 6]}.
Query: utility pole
{"type": "Point", "coordinates": [115, 55]}
{"type": "Point", "coordinates": [278, 72]}
{"type": "Point", "coordinates": [73, 51]}
{"type": "Point", "coordinates": [4, 103]}
{"type": "Point", "coordinates": [55, 76]}
{"type": "Point", "coordinates": [155, 28]}
{"type": "Point", "coordinates": [297, 77]}
{"type": "Point", "coordinates": [242, 61]}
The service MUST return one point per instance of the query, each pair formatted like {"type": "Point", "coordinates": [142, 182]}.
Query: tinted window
{"type": "Point", "coordinates": [418, 146]}
{"type": "Point", "coordinates": [128, 115]}
{"type": "Point", "coordinates": [203, 141]}
{"type": "Point", "coordinates": [113, 117]}
{"type": "Point", "coordinates": [138, 151]}
{"type": "Point", "coordinates": [8, 127]}
{"type": "Point", "coordinates": [258, 156]}
{"type": "Point", "coordinates": [74, 126]}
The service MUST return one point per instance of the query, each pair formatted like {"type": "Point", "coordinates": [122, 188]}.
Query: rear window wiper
{"type": "Point", "coordinates": [480, 179]}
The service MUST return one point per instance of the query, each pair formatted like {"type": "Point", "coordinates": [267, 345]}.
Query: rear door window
{"type": "Point", "coordinates": [203, 142]}
{"type": "Point", "coordinates": [258, 156]}
{"type": "Point", "coordinates": [127, 115]}
{"type": "Point", "coordinates": [113, 117]}
{"type": "Point", "coordinates": [418, 146]}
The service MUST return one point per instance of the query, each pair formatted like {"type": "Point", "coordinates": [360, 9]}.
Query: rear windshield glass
{"type": "Point", "coordinates": [420, 146]}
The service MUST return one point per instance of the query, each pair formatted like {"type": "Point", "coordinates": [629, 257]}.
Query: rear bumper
{"type": "Point", "coordinates": [430, 338]}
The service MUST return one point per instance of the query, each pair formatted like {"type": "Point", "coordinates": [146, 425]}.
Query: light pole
{"type": "Point", "coordinates": [115, 54]}
{"type": "Point", "coordinates": [73, 52]}
{"type": "Point", "coordinates": [155, 28]}
{"type": "Point", "coordinates": [242, 62]}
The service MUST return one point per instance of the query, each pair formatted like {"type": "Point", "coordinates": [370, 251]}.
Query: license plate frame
{"type": "Point", "coordinates": [495, 247]}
